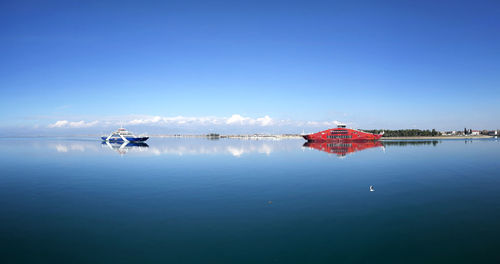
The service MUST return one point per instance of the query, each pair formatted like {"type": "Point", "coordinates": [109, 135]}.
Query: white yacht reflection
{"type": "Point", "coordinates": [123, 148]}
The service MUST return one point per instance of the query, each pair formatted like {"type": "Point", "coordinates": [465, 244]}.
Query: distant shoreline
{"type": "Point", "coordinates": [255, 136]}
{"type": "Point", "coordinates": [436, 137]}
{"type": "Point", "coordinates": [293, 136]}
{"type": "Point", "coordinates": [259, 136]}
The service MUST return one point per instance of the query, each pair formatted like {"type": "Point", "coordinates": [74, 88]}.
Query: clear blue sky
{"type": "Point", "coordinates": [371, 64]}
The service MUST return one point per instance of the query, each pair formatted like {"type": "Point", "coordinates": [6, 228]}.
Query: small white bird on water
{"type": "Point", "coordinates": [371, 188]}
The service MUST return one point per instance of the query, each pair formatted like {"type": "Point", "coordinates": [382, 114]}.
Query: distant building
{"type": "Point", "coordinates": [449, 133]}
{"type": "Point", "coordinates": [213, 136]}
{"type": "Point", "coordinates": [475, 132]}
{"type": "Point", "coordinates": [493, 133]}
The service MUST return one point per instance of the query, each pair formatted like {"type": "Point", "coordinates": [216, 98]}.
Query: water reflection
{"type": "Point", "coordinates": [342, 148]}
{"type": "Point", "coordinates": [233, 147]}
{"type": "Point", "coordinates": [180, 147]}
{"type": "Point", "coordinates": [124, 147]}
{"type": "Point", "coordinates": [293, 205]}
{"type": "Point", "coordinates": [236, 148]}
{"type": "Point", "coordinates": [72, 147]}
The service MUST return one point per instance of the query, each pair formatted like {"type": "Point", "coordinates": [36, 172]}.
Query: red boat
{"type": "Point", "coordinates": [343, 148]}
{"type": "Point", "coordinates": [341, 133]}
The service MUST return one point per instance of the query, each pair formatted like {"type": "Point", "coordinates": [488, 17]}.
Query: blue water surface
{"type": "Point", "coordinates": [194, 200]}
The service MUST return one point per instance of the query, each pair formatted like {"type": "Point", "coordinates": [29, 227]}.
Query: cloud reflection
{"type": "Point", "coordinates": [234, 147]}
{"type": "Point", "coordinates": [179, 147]}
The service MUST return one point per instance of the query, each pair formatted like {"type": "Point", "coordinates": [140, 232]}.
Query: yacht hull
{"type": "Point", "coordinates": [130, 139]}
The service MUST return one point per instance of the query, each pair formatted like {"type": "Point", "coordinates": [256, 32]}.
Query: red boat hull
{"type": "Point", "coordinates": [341, 134]}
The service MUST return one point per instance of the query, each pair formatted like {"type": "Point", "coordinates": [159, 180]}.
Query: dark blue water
{"type": "Point", "coordinates": [70, 200]}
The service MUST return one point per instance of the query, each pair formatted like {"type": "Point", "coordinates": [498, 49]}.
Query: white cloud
{"type": "Point", "coordinates": [324, 123]}
{"type": "Point", "coordinates": [61, 123]}
{"type": "Point", "coordinates": [241, 120]}
{"type": "Point", "coordinates": [237, 119]}
{"type": "Point", "coordinates": [233, 120]}
{"type": "Point", "coordinates": [79, 124]}
{"type": "Point", "coordinates": [265, 121]}
{"type": "Point", "coordinates": [83, 124]}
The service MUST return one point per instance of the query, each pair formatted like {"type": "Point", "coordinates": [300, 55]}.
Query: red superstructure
{"type": "Point", "coordinates": [342, 148]}
{"type": "Point", "coordinates": [341, 133]}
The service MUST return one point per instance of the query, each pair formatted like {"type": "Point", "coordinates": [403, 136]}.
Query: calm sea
{"type": "Point", "coordinates": [175, 200]}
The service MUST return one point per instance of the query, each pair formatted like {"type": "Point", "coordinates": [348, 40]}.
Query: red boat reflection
{"type": "Point", "coordinates": [342, 148]}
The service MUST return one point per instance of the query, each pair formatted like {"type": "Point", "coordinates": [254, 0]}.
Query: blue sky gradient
{"type": "Point", "coordinates": [304, 64]}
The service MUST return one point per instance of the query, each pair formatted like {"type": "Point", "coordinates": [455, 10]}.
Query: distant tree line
{"type": "Point", "coordinates": [405, 132]}
{"type": "Point", "coordinates": [413, 143]}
